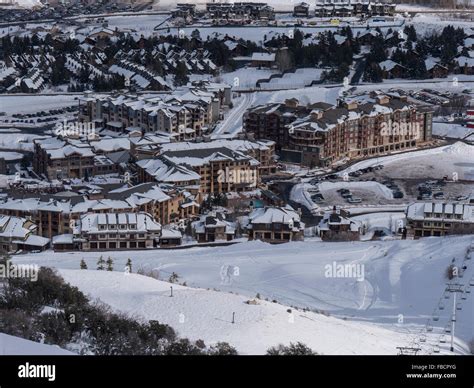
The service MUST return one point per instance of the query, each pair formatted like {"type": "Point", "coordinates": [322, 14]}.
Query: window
{"type": "Point", "coordinates": [123, 244]}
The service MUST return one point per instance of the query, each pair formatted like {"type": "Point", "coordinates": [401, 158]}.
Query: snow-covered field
{"type": "Point", "coordinates": [402, 278]}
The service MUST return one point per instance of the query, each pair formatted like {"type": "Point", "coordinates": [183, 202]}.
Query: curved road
{"type": "Point", "coordinates": [232, 124]}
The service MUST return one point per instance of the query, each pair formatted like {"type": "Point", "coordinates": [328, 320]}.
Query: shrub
{"type": "Point", "coordinates": [298, 349]}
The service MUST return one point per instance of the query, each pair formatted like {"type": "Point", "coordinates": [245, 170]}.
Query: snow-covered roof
{"type": "Point", "coordinates": [452, 212]}
{"type": "Point", "coordinates": [269, 215]}
{"type": "Point", "coordinates": [117, 222]}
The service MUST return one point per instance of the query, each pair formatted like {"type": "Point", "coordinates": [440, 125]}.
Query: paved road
{"type": "Point", "coordinates": [232, 123]}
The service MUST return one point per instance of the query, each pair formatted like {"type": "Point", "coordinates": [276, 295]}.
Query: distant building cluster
{"type": "Point", "coordinates": [345, 8]}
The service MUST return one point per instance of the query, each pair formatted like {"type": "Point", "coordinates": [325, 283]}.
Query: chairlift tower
{"type": "Point", "coordinates": [454, 288]}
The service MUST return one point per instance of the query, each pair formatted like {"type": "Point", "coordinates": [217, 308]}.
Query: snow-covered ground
{"type": "Point", "coordinates": [14, 346]}
{"type": "Point", "coordinates": [35, 103]}
{"type": "Point", "coordinates": [375, 188]}
{"type": "Point", "coordinates": [304, 95]}
{"type": "Point", "coordinates": [402, 278]}
{"type": "Point", "coordinates": [451, 130]}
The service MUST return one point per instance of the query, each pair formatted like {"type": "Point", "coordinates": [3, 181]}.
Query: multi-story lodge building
{"type": "Point", "coordinates": [221, 169]}
{"type": "Point", "coordinates": [58, 159]}
{"type": "Point", "coordinates": [275, 225]}
{"type": "Point", "coordinates": [320, 134]}
{"type": "Point", "coordinates": [185, 114]}
{"type": "Point", "coordinates": [117, 231]}
{"type": "Point", "coordinates": [440, 219]}
{"type": "Point", "coordinates": [214, 167]}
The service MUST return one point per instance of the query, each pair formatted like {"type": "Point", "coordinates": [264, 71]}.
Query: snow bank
{"type": "Point", "coordinates": [15, 346]}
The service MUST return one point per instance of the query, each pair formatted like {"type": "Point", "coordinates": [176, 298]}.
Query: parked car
{"type": "Point", "coordinates": [354, 200]}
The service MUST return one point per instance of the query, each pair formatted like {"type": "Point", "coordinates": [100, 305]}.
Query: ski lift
{"type": "Point", "coordinates": [464, 296]}
{"type": "Point", "coordinates": [442, 339]}
{"type": "Point", "coordinates": [446, 295]}
{"type": "Point", "coordinates": [435, 317]}
{"type": "Point", "coordinates": [423, 338]}
{"type": "Point", "coordinates": [436, 349]}
{"type": "Point", "coordinates": [429, 328]}
{"type": "Point", "coordinates": [458, 306]}
{"type": "Point", "coordinates": [471, 282]}
{"type": "Point", "coordinates": [441, 305]}
{"type": "Point", "coordinates": [447, 329]}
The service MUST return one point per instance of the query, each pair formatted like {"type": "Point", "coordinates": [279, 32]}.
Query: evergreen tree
{"type": "Point", "coordinates": [100, 264]}
{"type": "Point", "coordinates": [110, 264]}
{"type": "Point", "coordinates": [181, 76]}
{"type": "Point", "coordinates": [83, 264]}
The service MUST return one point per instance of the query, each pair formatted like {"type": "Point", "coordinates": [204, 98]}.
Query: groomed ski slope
{"type": "Point", "coordinates": [206, 314]}
{"type": "Point", "coordinates": [401, 279]}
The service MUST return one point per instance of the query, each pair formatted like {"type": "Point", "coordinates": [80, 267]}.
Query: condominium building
{"type": "Point", "coordinates": [114, 231]}
{"type": "Point", "coordinates": [320, 134]}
